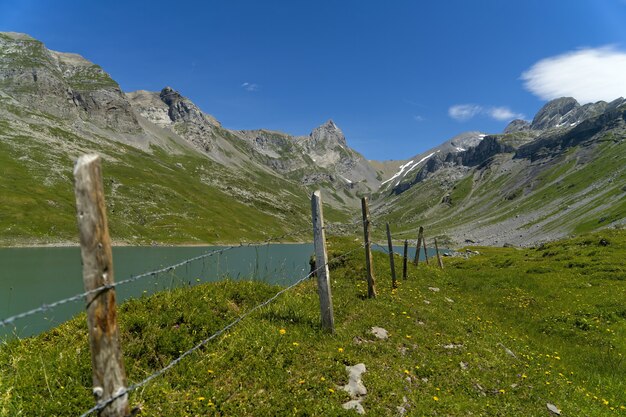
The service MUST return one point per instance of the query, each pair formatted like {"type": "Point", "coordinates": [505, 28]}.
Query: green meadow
{"type": "Point", "coordinates": [504, 332]}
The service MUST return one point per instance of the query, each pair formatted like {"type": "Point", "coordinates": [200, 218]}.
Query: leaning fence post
{"type": "Point", "coordinates": [425, 251]}
{"type": "Point", "coordinates": [405, 258]}
{"type": "Point", "coordinates": [109, 377]}
{"type": "Point", "coordinates": [418, 247]}
{"type": "Point", "coordinates": [438, 255]}
{"type": "Point", "coordinates": [394, 285]}
{"type": "Point", "coordinates": [321, 262]}
{"type": "Point", "coordinates": [367, 229]}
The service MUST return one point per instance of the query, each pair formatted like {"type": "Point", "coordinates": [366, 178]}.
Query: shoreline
{"type": "Point", "coordinates": [159, 245]}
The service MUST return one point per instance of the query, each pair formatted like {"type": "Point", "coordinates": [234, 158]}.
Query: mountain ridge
{"type": "Point", "coordinates": [50, 98]}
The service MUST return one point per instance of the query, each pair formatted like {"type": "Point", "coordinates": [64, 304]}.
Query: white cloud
{"type": "Point", "coordinates": [250, 86]}
{"type": "Point", "coordinates": [503, 114]}
{"type": "Point", "coordinates": [418, 118]}
{"type": "Point", "coordinates": [464, 112]}
{"type": "Point", "coordinates": [588, 75]}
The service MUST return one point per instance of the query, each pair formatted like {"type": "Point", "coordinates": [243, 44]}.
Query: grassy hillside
{"type": "Point", "coordinates": [579, 191]}
{"type": "Point", "coordinates": [508, 332]}
{"type": "Point", "coordinates": [155, 195]}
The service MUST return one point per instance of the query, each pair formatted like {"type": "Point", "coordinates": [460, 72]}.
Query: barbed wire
{"type": "Point", "coordinates": [200, 344]}
{"type": "Point", "coordinates": [386, 250]}
{"type": "Point", "coordinates": [45, 307]}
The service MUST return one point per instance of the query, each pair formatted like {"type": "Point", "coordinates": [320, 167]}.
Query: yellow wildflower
{"type": "Point", "coordinates": [436, 398]}
{"type": "Point", "coordinates": [340, 350]}
{"type": "Point", "coordinates": [282, 331]}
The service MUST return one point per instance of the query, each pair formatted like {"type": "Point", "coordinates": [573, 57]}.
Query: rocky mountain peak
{"type": "Point", "coordinates": [327, 134]}
{"type": "Point", "coordinates": [566, 112]}
{"type": "Point", "coordinates": [182, 109]}
{"type": "Point", "coordinates": [517, 125]}
{"type": "Point", "coordinates": [553, 113]}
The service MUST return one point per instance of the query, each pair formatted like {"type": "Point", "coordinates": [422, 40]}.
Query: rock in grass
{"type": "Point", "coordinates": [507, 350]}
{"type": "Point", "coordinates": [553, 409]}
{"type": "Point", "coordinates": [354, 405]}
{"type": "Point", "coordinates": [380, 333]}
{"type": "Point", "coordinates": [433, 289]}
{"type": "Point", "coordinates": [355, 387]}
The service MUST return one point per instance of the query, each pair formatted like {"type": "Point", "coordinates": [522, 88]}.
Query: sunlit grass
{"type": "Point", "coordinates": [508, 332]}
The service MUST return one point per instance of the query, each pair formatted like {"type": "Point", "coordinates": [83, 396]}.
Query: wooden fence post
{"type": "Point", "coordinates": [394, 285]}
{"type": "Point", "coordinates": [405, 258]}
{"type": "Point", "coordinates": [321, 262]}
{"type": "Point", "coordinates": [367, 228]}
{"type": "Point", "coordinates": [418, 247]}
{"type": "Point", "coordinates": [109, 377]}
{"type": "Point", "coordinates": [438, 255]}
{"type": "Point", "coordinates": [425, 251]}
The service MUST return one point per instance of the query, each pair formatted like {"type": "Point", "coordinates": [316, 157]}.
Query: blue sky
{"type": "Point", "coordinates": [398, 77]}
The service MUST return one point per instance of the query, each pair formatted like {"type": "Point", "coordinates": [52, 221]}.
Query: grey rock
{"type": "Point", "coordinates": [553, 409]}
{"type": "Point", "coordinates": [355, 387]}
{"type": "Point", "coordinates": [380, 333]}
{"type": "Point", "coordinates": [354, 405]}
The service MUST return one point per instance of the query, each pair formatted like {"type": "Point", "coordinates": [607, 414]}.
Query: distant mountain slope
{"type": "Point", "coordinates": [432, 157]}
{"type": "Point", "coordinates": [522, 187]}
{"type": "Point", "coordinates": [175, 174]}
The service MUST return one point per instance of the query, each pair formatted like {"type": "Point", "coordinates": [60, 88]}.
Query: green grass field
{"type": "Point", "coordinates": [508, 332]}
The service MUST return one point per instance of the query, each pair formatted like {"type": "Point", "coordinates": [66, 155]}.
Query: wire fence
{"type": "Point", "coordinates": [46, 307]}
{"type": "Point", "coordinates": [336, 228]}
{"type": "Point", "coordinates": [200, 344]}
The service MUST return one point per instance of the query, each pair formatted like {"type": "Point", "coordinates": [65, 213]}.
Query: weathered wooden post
{"type": "Point", "coordinates": [394, 284]}
{"type": "Point", "coordinates": [367, 228]}
{"type": "Point", "coordinates": [405, 258]}
{"type": "Point", "coordinates": [418, 247]}
{"type": "Point", "coordinates": [109, 377]}
{"type": "Point", "coordinates": [425, 251]}
{"type": "Point", "coordinates": [438, 255]}
{"type": "Point", "coordinates": [321, 262]}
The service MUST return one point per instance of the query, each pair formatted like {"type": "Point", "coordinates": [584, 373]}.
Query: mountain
{"type": "Point", "coordinates": [321, 159]}
{"type": "Point", "coordinates": [169, 167]}
{"type": "Point", "coordinates": [430, 160]}
{"type": "Point", "coordinates": [563, 173]}
{"type": "Point", "coordinates": [174, 174]}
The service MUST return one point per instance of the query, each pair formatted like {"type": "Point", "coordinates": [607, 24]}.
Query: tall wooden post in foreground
{"type": "Point", "coordinates": [367, 230]}
{"type": "Point", "coordinates": [405, 258]}
{"type": "Point", "coordinates": [108, 373]}
{"type": "Point", "coordinates": [321, 263]}
{"type": "Point", "coordinates": [438, 255]}
{"type": "Point", "coordinates": [394, 284]}
{"type": "Point", "coordinates": [418, 247]}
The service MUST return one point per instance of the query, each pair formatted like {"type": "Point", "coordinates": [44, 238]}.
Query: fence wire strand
{"type": "Point", "coordinates": [200, 344]}
{"type": "Point", "coordinates": [77, 297]}
{"type": "Point", "coordinates": [386, 250]}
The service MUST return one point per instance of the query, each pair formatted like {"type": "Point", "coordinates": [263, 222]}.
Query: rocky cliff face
{"type": "Point", "coordinates": [64, 85]}
{"type": "Point", "coordinates": [566, 112]}
{"type": "Point", "coordinates": [169, 109]}
{"type": "Point", "coordinates": [322, 157]}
